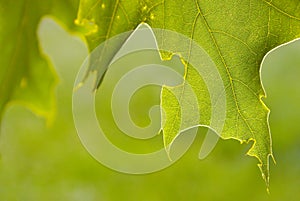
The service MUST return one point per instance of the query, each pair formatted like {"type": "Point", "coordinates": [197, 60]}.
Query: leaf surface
{"type": "Point", "coordinates": [236, 34]}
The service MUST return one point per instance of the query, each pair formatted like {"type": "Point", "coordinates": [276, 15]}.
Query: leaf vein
{"type": "Point", "coordinates": [236, 38]}
{"type": "Point", "coordinates": [281, 11]}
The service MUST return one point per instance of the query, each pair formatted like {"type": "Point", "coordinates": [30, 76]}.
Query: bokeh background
{"type": "Point", "coordinates": [48, 162]}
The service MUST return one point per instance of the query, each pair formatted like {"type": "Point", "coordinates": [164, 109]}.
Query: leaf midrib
{"type": "Point", "coordinates": [226, 68]}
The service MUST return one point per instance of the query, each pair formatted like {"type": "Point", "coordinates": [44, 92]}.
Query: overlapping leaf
{"type": "Point", "coordinates": [26, 76]}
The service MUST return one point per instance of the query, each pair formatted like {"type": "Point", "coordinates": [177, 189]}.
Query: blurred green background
{"type": "Point", "coordinates": [48, 162]}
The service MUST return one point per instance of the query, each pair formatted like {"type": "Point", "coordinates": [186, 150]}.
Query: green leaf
{"type": "Point", "coordinates": [236, 34]}
{"type": "Point", "coordinates": [26, 75]}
